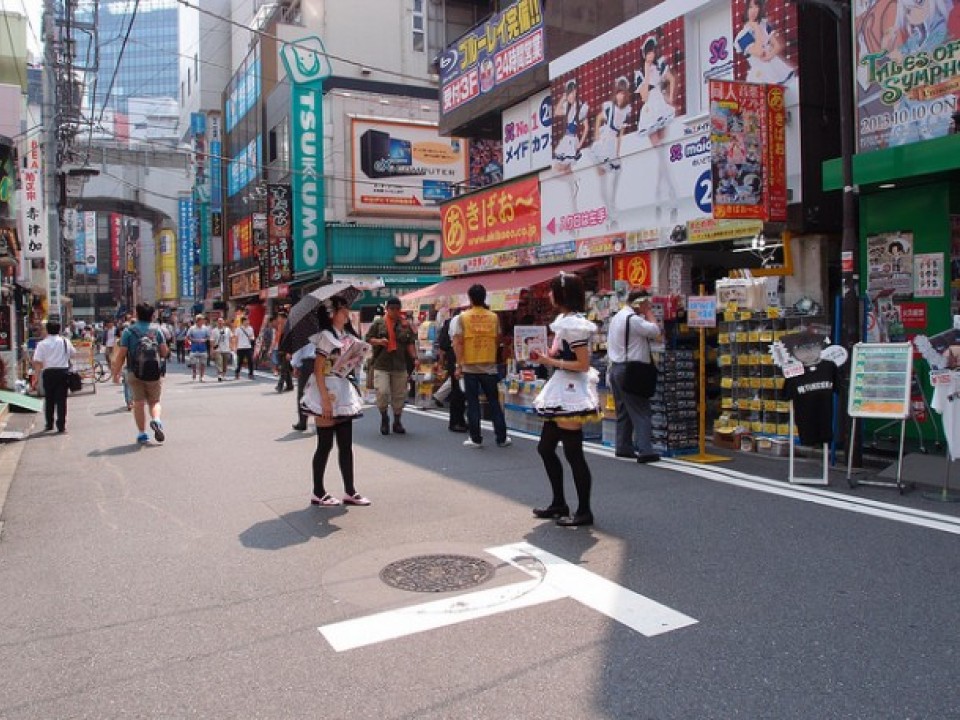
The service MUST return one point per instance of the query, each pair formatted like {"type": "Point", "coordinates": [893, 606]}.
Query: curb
{"type": "Point", "coordinates": [10, 454]}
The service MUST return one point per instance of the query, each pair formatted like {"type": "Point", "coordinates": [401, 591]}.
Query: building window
{"type": "Point", "coordinates": [272, 146]}
{"type": "Point", "coordinates": [196, 66]}
{"type": "Point", "coordinates": [419, 26]}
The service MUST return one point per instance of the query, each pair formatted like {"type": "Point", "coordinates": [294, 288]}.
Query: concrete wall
{"type": "Point", "coordinates": [386, 52]}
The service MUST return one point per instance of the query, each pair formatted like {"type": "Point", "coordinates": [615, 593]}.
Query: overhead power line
{"type": "Point", "coordinates": [269, 36]}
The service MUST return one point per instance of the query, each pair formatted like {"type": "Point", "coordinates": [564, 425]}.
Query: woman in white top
{"type": "Point", "coordinates": [567, 401]}
{"type": "Point", "coordinates": [335, 402]}
{"type": "Point", "coordinates": [52, 358]}
{"type": "Point", "coordinates": [243, 339]}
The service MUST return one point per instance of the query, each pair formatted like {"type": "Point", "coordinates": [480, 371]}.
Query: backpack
{"type": "Point", "coordinates": [145, 358]}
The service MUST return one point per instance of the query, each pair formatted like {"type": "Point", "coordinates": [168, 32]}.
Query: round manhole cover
{"type": "Point", "coordinates": [437, 573]}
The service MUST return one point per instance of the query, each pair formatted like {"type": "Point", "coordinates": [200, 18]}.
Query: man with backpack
{"type": "Point", "coordinates": [143, 349]}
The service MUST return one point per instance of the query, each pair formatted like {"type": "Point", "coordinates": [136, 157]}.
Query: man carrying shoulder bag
{"type": "Point", "coordinates": [631, 376]}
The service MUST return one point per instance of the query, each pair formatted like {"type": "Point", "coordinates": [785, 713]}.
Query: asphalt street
{"type": "Point", "coordinates": [194, 580]}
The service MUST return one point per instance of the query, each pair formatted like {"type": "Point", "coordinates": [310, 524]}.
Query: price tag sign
{"type": "Point", "coordinates": [702, 311]}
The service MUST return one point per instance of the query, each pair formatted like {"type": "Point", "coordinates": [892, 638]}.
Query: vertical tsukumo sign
{"type": "Point", "coordinates": [307, 65]}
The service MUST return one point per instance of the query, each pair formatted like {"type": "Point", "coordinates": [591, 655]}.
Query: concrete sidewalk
{"type": "Point", "coordinates": [923, 474]}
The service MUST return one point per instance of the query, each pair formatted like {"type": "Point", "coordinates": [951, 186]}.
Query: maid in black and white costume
{"type": "Point", "coordinates": [760, 43]}
{"type": "Point", "coordinates": [567, 401]}
{"type": "Point", "coordinates": [574, 114]}
{"type": "Point", "coordinates": [611, 122]}
{"type": "Point", "coordinates": [657, 111]}
{"type": "Point", "coordinates": [335, 401]}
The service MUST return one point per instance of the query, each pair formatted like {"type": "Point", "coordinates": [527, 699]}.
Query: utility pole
{"type": "Point", "coordinates": [51, 125]}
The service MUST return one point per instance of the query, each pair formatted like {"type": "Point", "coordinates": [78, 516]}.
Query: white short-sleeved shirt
{"type": "Point", "coordinates": [54, 351]}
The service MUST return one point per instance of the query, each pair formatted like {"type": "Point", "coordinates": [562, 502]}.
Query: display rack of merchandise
{"type": "Point", "coordinates": [674, 406]}
{"type": "Point", "coordinates": [751, 399]}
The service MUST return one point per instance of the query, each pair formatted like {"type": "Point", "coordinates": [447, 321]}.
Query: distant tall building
{"type": "Point", "coordinates": [149, 65]}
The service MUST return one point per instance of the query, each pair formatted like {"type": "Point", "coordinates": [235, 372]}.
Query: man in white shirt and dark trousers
{"type": "Point", "coordinates": [52, 358]}
{"type": "Point", "coordinates": [302, 362]}
{"type": "Point", "coordinates": [634, 422]}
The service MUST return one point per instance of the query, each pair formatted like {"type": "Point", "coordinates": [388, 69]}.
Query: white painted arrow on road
{"type": "Point", "coordinates": [553, 579]}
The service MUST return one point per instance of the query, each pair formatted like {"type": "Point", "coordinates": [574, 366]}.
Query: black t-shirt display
{"type": "Point", "coordinates": [812, 395]}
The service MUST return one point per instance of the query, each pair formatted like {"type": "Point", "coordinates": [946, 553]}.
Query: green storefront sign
{"type": "Point", "coordinates": [307, 66]}
{"type": "Point", "coordinates": [404, 258]}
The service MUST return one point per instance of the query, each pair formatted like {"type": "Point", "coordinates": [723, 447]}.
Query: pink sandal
{"type": "Point", "coordinates": [355, 499]}
{"type": "Point", "coordinates": [327, 500]}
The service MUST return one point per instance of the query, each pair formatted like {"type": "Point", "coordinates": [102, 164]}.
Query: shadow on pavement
{"type": "Point", "coordinates": [119, 450]}
{"type": "Point", "coordinates": [296, 435]}
{"type": "Point", "coordinates": [293, 528]}
{"type": "Point", "coordinates": [118, 411]}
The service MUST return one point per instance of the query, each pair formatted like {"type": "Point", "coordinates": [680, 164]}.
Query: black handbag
{"type": "Point", "coordinates": [74, 381]}
{"type": "Point", "coordinates": [640, 378]}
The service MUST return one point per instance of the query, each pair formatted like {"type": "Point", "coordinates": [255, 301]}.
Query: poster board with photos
{"type": "Point", "coordinates": [880, 379]}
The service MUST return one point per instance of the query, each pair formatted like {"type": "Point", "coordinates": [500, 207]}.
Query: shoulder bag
{"type": "Point", "coordinates": [74, 381]}
{"type": "Point", "coordinates": [640, 378]}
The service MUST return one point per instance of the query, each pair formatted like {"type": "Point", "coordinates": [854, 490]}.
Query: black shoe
{"type": "Point", "coordinates": [459, 428]}
{"type": "Point", "coordinates": [631, 455]}
{"type": "Point", "coordinates": [648, 458]}
{"type": "Point", "coordinates": [384, 425]}
{"type": "Point", "coordinates": [577, 520]}
{"type": "Point", "coordinates": [47, 428]}
{"type": "Point", "coordinates": [398, 427]}
{"type": "Point", "coordinates": [552, 512]}
{"type": "Point", "coordinates": [299, 426]}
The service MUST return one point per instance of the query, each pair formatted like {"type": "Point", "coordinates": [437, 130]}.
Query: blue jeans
{"type": "Point", "coordinates": [473, 383]}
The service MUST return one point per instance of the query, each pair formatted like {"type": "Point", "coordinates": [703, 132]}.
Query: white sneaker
{"type": "Point", "coordinates": [471, 444]}
{"type": "Point", "coordinates": [506, 443]}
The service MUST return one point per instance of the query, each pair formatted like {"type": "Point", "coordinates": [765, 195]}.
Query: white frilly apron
{"type": "Point", "coordinates": [569, 394]}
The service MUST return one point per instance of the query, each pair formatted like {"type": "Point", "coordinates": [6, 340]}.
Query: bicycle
{"type": "Point", "coordinates": [100, 373]}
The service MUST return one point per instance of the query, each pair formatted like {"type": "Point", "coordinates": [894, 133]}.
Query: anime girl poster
{"type": "Point", "coordinates": [907, 77]}
{"type": "Point", "coordinates": [765, 41]}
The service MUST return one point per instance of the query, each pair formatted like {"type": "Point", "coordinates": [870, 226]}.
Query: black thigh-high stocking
{"type": "Point", "coordinates": [573, 451]}
{"type": "Point", "coordinates": [343, 432]}
{"type": "Point", "coordinates": [345, 455]}
{"type": "Point", "coordinates": [320, 455]}
{"type": "Point", "coordinates": [547, 447]}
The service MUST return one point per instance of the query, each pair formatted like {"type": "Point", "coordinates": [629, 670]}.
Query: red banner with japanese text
{"type": "Point", "coordinates": [632, 268]}
{"type": "Point", "coordinates": [499, 219]}
{"type": "Point", "coordinates": [116, 221]}
{"type": "Point", "coordinates": [748, 157]}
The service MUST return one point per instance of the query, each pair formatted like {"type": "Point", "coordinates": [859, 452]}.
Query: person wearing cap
{"type": "Point", "coordinates": [634, 416]}
{"type": "Point", "coordinates": [394, 355]}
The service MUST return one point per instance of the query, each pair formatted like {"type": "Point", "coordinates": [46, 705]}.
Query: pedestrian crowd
{"type": "Point", "coordinates": [325, 368]}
